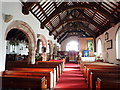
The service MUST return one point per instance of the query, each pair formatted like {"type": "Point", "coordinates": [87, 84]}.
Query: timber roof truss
{"type": "Point", "coordinates": [82, 19]}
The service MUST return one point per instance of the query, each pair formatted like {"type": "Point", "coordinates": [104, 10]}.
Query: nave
{"type": "Point", "coordinates": [38, 37]}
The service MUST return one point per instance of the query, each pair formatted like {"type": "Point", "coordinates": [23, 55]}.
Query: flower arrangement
{"type": "Point", "coordinates": [99, 59]}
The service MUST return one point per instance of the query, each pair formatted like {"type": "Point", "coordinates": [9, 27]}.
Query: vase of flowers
{"type": "Point", "coordinates": [99, 59]}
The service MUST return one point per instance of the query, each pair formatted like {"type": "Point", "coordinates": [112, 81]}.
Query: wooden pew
{"type": "Point", "coordinates": [60, 61]}
{"type": "Point", "coordinates": [95, 63]}
{"type": "Point", "coordinates": [56, 77]}
{"type": "Point", "coordinates": [107, 83]}
{"type": "Point", "coordinates": [44, 64]}
{"type": "Point", "coordinates": [49, 65]}
{"type": "Point", "coordinates": [99, 71]}
{"type": "Point", "coordinates": [95, 75]}
{"type": "Point", "coordinates": [18, 64]}
{"type": "Point", "coordinates": [60, 64]}
{"type": "Point", "coordinates": [99, 66]}
{"type": "Point", "coordinates": [24, 82]}
{"type": "Point", "coordinates": [48, 75]}
{"type": "Point", "coordinates": [82, 64]}
{"type": "Point", "coordinates": [51, 80]}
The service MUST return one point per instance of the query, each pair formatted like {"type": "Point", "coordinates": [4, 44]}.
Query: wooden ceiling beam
{"type": "Point", "coordinates": [64, 35]}
{"type": "Point", "coordinates": [67, 21]}
{"type": "Point", "coordinates": [51, 24]}
{"type": "Point", "coordinates": [79, 32]}
{"type": "Point", "coordinates": [70, 28]}
{"type": "Point", "coordinates": [58, 9]}
{"type": "Point", "coordinates": [59, 17]}
{"type": "Point", "coordinates": [93, 6]}
{"type": "Point", "coordinates": [42, 10]}
{"type": "Point", "coordinates": [27, 7]}
{"type": "Point", "coordinates": [54, 3]}
{"type": "Point", "coordinates": [103, 11]}
{"type": "Point", "coordinates": [105, 28]}
{"type": "Point", "coordinates": [67, 36]}
{"type": "Point", "coordinates": [90, 19]}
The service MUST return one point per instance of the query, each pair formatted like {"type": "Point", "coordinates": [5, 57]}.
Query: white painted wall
{"type": "Point", "coordinates": [15, 9]}
{"type": "Point", "coordinates": [110, 54]}
{"type": "Point", "coordinates": [2, 42]}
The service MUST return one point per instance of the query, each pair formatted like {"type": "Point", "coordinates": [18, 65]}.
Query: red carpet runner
{"type": "Point", "coordinates": [71, 78]}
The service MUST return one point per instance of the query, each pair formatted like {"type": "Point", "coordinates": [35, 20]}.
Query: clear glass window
{"type": "Point", "coordinates": [118, 44]}
{"type": "Point", "coordinates": [72, 46]}
{"type": "Point", "coordinates": [99, 47]}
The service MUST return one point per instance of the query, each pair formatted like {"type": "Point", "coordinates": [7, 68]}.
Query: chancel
{"type": "Point", "coordinates": [59, 44]}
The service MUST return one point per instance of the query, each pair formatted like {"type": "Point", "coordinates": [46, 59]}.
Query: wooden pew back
{"type": "Point", "coordinates": [15, 81]}
{"type": "Point", "coordinates": [94, 76]}
{"type": "Point", "coordinates": [106, 83]}
{"type": "Point", "coordinates": [42, 70]}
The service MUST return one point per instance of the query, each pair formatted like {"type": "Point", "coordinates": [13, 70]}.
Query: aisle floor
{"type": "Point", "coordinates": [71, 78]}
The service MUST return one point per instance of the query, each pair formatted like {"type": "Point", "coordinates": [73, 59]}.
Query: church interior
{"type": "Point", "coordinates": [59, 44]}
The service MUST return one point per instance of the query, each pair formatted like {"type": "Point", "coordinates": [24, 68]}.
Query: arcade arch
{"type": "Point", "coordinates": [42, 40]}
{"type": "Point", "coordinates": [27, 30]}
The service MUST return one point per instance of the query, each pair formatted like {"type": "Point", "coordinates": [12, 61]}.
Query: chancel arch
{"type": "Point", "coordinates": [27, 30]}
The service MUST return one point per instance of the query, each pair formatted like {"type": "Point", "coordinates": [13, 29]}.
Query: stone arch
{"type": "Point", "coordinates": [27, 30]}
{"type": "Point", "coordinates": [44, 44]}
{"type": "Point", "coordinates": [43, 39]}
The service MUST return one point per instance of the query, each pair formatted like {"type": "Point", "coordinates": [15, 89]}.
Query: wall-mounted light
{"type": "Point", "coordinates": [7, 18]}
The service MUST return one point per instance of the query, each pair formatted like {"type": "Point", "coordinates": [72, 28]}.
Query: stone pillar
{"type": "Point", "coordinates": [44, 56]}
{"type": "Point", "coordinates": [31, 57]}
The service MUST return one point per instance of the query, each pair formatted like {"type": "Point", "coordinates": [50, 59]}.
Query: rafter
{"type": "Point", "coordinates": [27, 7]}
{"type": "Point", "coordinates": [67, 34]}
{"type": "Point", "coordinates": [62, 38]}
{"type": "Point", "coordinates": [71, 28]}
{"type": "Point", "coordinates": [68, 21]}
{"type": "Point", "coordinates": [104, 28]}
{"type": "Point", "coordinates": [52, 15]}
{"type": "Point", "coordinates": [79, 32]}
{"type": "Point", "coordinates": [41, 9]}
{"type": "Point", "coordinates": [51, 24]}
{"type": "Point", "coordinates": [103, 12]}
{"type": "Point", "coordinates": [90, 19]}
{"type": "Point", "coordinates": [81, 6]}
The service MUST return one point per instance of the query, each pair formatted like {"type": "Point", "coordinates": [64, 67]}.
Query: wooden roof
{"type": "Point", "coordinates": [82, 19]}
{"type": "Point", "coordinates": [16, 35]}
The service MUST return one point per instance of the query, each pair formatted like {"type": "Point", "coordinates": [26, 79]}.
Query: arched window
{"type": "Point", "coordinates": [72, 46]}
{"type": "Point", "coordinates": [99, 47]}
{"type": "Point", "coordinates": [118, 44]}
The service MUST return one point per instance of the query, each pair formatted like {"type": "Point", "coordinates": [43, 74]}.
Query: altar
{"type": "Point", "coordinates": [88, 59]}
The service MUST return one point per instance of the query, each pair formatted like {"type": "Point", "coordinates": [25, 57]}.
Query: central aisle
{"type": "Point", "coordinates": [71, 78]}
